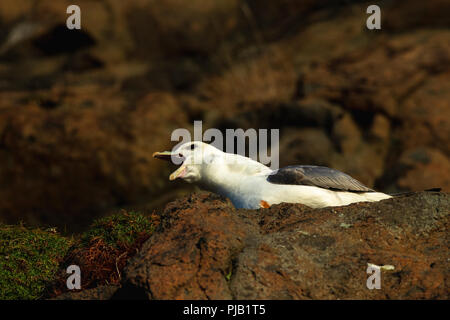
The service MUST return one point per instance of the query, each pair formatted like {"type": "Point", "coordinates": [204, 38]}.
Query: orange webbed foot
{"type": "Point", "coordinates": [264, 204]}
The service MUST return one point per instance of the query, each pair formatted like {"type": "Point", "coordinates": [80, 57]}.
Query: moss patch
{"type": "Point", "coordinates": [33, 262]}
{"type": "Point", "coordinates": [119, 230]}
{"type": "Point", "coordinates": [103, 250]}
{"type": "Point", "coordinates": [29, 259]}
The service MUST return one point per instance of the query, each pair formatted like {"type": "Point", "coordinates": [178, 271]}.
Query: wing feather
{"type": "Point", "coordinates": [322, 177]}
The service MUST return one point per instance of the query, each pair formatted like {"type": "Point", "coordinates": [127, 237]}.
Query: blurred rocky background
{"type": "Point", "coordinates": [82, 111]}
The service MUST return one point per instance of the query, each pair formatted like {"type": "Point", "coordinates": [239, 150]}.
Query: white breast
{"type": "Point", "coordinates": [251, 190]}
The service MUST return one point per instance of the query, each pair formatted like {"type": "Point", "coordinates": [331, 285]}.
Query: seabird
{"type": "Point", "coordinates": [252, 185]}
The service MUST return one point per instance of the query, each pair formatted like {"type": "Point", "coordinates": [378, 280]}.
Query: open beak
{"type": "Point", "coordinates": [167, 155]}
{"type": "Point", "coordinates": [164, 155]}
{"type": "Point", "coordinates": [179, 173]}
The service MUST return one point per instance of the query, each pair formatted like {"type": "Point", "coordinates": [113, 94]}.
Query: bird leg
{"type": "Point", "coordinates": [264, 204]}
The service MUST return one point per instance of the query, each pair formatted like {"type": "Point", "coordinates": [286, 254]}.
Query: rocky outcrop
{"type": "Point", "coordinates": [98, 293]}
{"type": "Point", "coordinates": [82, 161]}
{"type": "Point", "coordinates": [205, 249]}
{"type": "Point", "coordinates": [81, 111]}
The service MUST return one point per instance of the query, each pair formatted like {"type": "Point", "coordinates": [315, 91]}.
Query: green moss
{"type": "Point", "coordinates": [28, 260]}
{"type": "Point", "coordinates": [119, 229]}
{"type": "Point", "coordinates": [228, 276]}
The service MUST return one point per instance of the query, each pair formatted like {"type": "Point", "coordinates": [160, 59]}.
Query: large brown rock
{"type": "Point", "coordinates": [87, 154]}
{"type": "Point", "coordinates": [205, 249]}
{"type": "Point", "coordinates": [82, 111]}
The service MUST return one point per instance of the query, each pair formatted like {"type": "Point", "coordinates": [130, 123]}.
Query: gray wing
{"type": "Point", "coordinates": [322, 177]}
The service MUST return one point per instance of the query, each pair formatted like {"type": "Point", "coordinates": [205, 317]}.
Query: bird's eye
{"type": "Point", "coordinates": [193, 146]}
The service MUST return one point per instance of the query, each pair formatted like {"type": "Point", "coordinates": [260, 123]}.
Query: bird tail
{"type": "Point", "coordinates": [409, 193]}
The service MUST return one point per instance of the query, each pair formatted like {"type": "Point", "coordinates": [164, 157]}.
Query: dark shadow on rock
{"type": "Point", "coordinates": [129, 292]}
{"type": "Point", "coordinates": [60, 39]}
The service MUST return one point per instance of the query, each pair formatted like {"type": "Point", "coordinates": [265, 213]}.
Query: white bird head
{"type": "Point", "coordinates": [194, 158]}
{"type": "Point", "coordinates": [210, 167]}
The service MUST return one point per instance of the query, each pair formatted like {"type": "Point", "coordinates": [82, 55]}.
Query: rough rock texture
{"type": "Point", "coordinates": [99, 293]}
{"type": "Point", "coordinates": [81, 111]}
{"type": "Point", "coordinates": [205, 249]}
{"type": "Point", "coordinates": [90, 157]}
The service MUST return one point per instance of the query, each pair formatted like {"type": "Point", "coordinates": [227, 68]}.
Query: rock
{"type": "Point", "coordinates": [424, 169]}
{"type": "Point", "coordinates": [81, 153]}
{"type": "Point", "coordinates": [197, 268]}
{"type": "Point", "coordinates": [60, 39]}
{"type": "Point", "coordinates": [360, 154]}
{"type": "Point", "coordinates": [199, 28]}
{"type": "Point", "coordinates": [405, 16]}
{"type": "Point", "coordinates": [402, 67]}
{"type": "Point", "coordinates": [266, 78]}
{"type": "Point", "coordinates": [99, 293]}
{"type": "Point", "coordinates": [79, 120]}
{"type": "Point", "coordinates": [347, 134]}
{"type": "Point", "coordinates": [381, 128]}
{"type": "Point", "coordinates": [306, 146]}
{"type": "Point", "coordinates": [205, 249]}
{"type": "Point", "coordinates": [400, 107]}
{"type": "Point", "coordinates": [426, 119]}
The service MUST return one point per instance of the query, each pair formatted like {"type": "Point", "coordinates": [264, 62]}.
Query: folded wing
{"type": "Point", "coordinates": [322, 177]}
